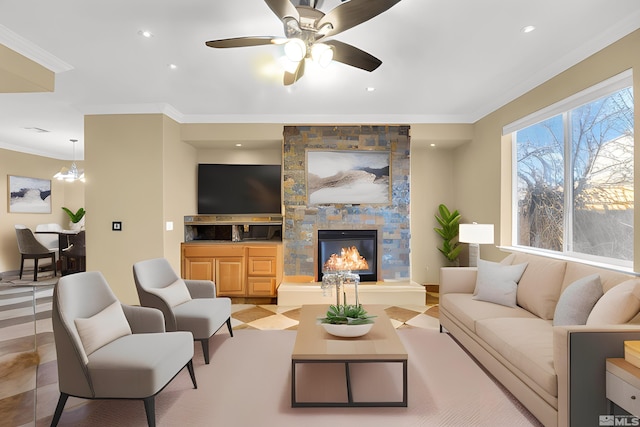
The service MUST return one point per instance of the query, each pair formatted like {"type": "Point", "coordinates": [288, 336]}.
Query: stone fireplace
{"type": "Point", "coordinates": [303, 220]}
{"type": "Point", "coordinates": [354, 250]}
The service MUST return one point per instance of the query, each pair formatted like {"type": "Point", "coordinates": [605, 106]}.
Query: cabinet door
{"type": "Point", "coordinates": [199, 269]}
{"type": "Point", "coordinates": [230, 276]}
{"type": "Point", "coordinates": [262, 286]}
{"type": "Point", "coordinates": [262, 266]}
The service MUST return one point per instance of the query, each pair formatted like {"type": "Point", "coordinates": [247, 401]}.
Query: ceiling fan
{"type": "Point", "coordinates": [306, 29]}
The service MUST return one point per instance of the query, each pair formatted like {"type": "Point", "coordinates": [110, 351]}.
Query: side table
{"type": "Point", "coordinates": [623, 385]}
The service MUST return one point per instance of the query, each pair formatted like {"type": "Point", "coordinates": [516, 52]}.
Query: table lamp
{"type": "Point", "coordinates": [475, 234]}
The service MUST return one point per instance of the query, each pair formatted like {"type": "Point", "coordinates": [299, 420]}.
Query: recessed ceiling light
{"type": "Point", "coordinates": [173, 66]}
{"type": "Point", "coordinates": [371, 89]}
{"type": "Point", "coordinates": [238, 145]}
{"type": "Point", "coordinates": [432, 145]}
{"type": "Point", "coordinates": [145, 33]}
{"type": "Point", "coordinates": [528, 29]}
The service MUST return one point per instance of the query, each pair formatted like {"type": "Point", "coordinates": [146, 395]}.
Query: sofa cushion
{"type": "Point", "coordinates": [508, 260]}
{"type": "Point", "coordinates": [540, 285]}
{"type": "Point", "coordinates": [175, 294]}
{"type": "Point", "coordinates": [608, 278]}
{"type": "Point", "coordinates": [467, 310]}
{"type": "Point", "coordinates": [577, 301]}
{"type": "Point", "coordinates": [498, 283]}
{"type": "Point", "coordinates": [527, 343]}
{"type": "Point", "coordinates": [102, 328]}
{"type": "Point", "coordinates": [618, 305]}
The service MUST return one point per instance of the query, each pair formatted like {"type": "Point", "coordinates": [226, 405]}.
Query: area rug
{"type": "Point", "coordinates": [248, 384]}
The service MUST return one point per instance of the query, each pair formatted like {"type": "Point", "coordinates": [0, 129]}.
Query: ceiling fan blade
{"type": "Point", "coordinates": [283, 9]}
{"type": "Point", "coordinates": [291, 78]}
{"type": "Point", "coordinates": [242, 42]}
{"type": "Point", "coordinates": [353, 56]}
{"type": "Point", "coordinates": [352, 13]}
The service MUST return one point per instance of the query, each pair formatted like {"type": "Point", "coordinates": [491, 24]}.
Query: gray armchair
{"type": "Point", "coordinates": [187, 305]}
{"type": "Point", "coordinates": [31, 248]}
{"type": "Point", "coordinates": [106, 350]}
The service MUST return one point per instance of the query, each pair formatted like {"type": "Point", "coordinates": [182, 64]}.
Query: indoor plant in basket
{"type": "Point", "coordinates": [347, 320]}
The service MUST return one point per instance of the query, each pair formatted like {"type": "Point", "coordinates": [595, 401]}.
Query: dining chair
{"type": "Point", "coordinates": [30, 248]}
{"type": "Point", "coordinates": [47, 234]}
{"type": "Point", "coordinates": [73, 257]}
{"type": "Point", "coordinates": [108, 350]}
{"type": "Point", "coordinates": [187, 305]}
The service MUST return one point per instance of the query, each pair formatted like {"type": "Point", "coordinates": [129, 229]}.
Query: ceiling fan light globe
{"type": "Point", "coordinates": [322, 54]}
{"type": "Point", "coordinates": [295, 49]}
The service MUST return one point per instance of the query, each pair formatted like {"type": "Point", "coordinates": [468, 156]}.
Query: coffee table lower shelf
{"type": "Point", "coordinates": [350, 402]}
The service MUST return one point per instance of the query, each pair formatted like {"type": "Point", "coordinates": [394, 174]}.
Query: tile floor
{"type": "Point", "coordinates": [29, 390]}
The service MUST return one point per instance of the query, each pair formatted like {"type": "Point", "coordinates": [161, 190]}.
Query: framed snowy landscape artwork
{"type": "Point", "coordinates": [348, 177]}
{"type": "Point", "coordinates": [29, 195]}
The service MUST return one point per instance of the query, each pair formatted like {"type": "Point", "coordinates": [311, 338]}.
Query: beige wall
{"type": "Point", "coordinates": [240, 156]}
{"type": "Point", "coordinates": [432, 181]}
{"type": "Point", "coordinates": [20, 74]}
{"type": "Point", "coordinates": [69, 194]}
{"type": "Point", "coordinates": [179, 189]}
{"type": "Point", "coordinates": [139, 173]}
{"type": "Point", "coordinates": [484, 166]}
{"type": "Point", "coordinates": [433, 178]}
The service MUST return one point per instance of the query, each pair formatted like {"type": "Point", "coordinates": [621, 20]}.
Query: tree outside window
{"type": "Point", "coordinates": [575, 180]}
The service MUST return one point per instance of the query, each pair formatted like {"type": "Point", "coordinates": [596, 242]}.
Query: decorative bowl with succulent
{"type": "Point", "coordinates": [347, 321]}
{"type": "Point", "coordinates": [347, 315]}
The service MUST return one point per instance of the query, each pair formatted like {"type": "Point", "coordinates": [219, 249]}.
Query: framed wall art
{"type": "Point", "coordinates": [348, 177]}
{"type": "Point", "coordinates": [29, 195]}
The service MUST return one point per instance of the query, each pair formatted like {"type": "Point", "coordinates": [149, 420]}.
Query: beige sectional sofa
{"type": "Point", "coordinates": [556, 371]}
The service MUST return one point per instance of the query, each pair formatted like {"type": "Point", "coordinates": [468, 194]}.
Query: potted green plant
{"type": "Point", "coordinates": [76, 218]}
{"type": "Point", "coordinates": [449, 224]}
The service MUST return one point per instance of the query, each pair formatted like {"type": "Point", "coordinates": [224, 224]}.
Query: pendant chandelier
{"type": "Point", "coordinates": [73, 173]}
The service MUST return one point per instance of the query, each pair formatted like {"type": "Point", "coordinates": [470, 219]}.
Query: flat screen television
{"type": "Point", "coordinates": [230, 189]}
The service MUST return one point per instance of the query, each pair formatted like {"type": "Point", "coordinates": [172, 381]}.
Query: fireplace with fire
{"type": "Point", "coordinates": [354, 250]}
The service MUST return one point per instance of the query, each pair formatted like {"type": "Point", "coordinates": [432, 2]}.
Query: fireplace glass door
{"type": "Point", "coordinates": [337, 242]}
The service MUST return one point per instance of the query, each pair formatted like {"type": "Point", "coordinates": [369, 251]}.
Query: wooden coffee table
{"type": "Point", "coordinates": [314, 345]}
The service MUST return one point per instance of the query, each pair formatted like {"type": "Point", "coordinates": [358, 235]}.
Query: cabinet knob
{"type": "Point", "coordinates": [633, 397]}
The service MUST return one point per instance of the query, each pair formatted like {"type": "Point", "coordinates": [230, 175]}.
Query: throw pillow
{"type": "Point", "coordinates": [498, 283]}
{"type": "Point", "coordinates": [174, 294]}
{"type": "Point", "coordinates": [577, 301]}
{"type": "Point", "coordinates": [540, 286]}
{"type": "Point", "coordinates": [618, 305]}
{"type": "Point", "coordinates": [102, 328]}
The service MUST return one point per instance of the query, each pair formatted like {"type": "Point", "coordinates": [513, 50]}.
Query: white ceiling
{"type": "Point", "coordinates": [444, 61]}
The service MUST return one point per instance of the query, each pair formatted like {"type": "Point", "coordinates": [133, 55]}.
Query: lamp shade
{"type": "Point", "coordinates": [476, 233]}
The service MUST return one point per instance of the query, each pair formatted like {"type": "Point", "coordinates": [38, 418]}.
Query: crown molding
{"type": "Point", "coordinates": [32, 51]}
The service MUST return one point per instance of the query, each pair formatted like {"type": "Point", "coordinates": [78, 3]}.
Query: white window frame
{"type": "Point", "coordinates": [563, 107]}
